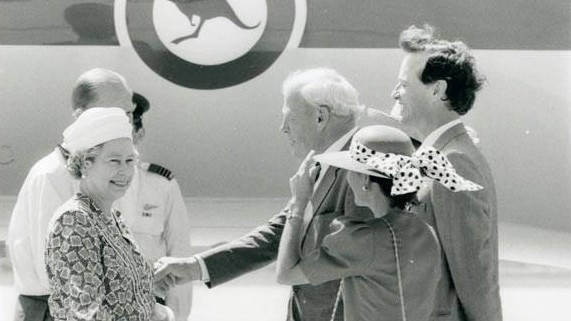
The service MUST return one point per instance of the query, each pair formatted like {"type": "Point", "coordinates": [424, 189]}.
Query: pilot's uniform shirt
{"type": "Point", "coordinates": [154, 210]}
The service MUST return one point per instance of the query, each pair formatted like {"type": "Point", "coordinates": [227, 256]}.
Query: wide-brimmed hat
{"type": "Point", "coordinates": [95, 126]}
{"type": "Point", "coordinates": [388, 152]}
{"type": "Point", "coordinates": [365, 143]}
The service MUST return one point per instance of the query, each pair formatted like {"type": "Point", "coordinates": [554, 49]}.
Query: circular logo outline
{"type": "Point", "coordinates": [277, 36]}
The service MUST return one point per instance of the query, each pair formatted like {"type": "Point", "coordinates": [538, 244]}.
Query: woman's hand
{"type": "Point", "coordinates": [301, 184]}
{"type": "Point", "coordinates": [161, 287]}
{"type": "Point", "coordinates": [162, 313]}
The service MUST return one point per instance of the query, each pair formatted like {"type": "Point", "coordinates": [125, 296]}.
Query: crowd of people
{"type": "Point", "coordinates": [396, 220]}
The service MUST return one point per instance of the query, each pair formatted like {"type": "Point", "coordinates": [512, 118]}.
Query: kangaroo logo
{"type": "Point", "coordinates": [212, 44]}
{"type": "Point", "coordinates": [205, 10]}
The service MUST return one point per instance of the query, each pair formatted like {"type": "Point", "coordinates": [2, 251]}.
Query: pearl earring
{"type": "Point", "coordinates": [364, 188]}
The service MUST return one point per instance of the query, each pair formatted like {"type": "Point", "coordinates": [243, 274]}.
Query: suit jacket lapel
{"type": "Point", "coordinates": [426, 193]}
{"type": "Point", "coordinates": [321, 192]}
{"type": "Point", "coordinates": [324, 187]}
{"type": "Point", "coordinates": [326, 183]}
{"type": "Point", "coordinates": [318, 197]}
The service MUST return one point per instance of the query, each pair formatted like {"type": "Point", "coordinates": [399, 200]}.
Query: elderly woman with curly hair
{"type": "Point", "coordinates": [95, 268]}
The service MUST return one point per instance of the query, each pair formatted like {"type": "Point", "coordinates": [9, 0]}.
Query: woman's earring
{"type": "Point", "coordinates": [366, 182]}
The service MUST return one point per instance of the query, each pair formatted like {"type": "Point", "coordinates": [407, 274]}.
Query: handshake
{"type": "Point", "coordinates": [171, 271]}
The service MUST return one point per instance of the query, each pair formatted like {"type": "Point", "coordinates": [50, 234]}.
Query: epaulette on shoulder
{"type": "Point", "coordinates": [158, 169]}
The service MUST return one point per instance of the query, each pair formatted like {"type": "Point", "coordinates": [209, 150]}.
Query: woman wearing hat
{"type": "Point", "coordinates": [96, 271]}
{"type": "Point", "coordinates": [390, 264]}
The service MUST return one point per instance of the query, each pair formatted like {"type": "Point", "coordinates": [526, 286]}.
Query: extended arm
{"type": "Point", "coordinates": [245, 254]}
{"type": "Point", "coordinates": [347, 251]}
{"type": "Point", "coordinates": [289, 254]}
{"type": "Point", "coordinates": [229, 261]}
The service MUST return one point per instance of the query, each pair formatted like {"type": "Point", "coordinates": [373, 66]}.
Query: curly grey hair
{"type": "Point", "coordinates": [76, 161]}
{"type": "Point", "coordinates": [324, 87]}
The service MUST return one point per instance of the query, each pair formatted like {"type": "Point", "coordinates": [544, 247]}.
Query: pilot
{"type": "Point", "coordinates": [154, 209]}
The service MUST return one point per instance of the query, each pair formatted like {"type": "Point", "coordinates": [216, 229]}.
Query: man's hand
{"type": "Point", "coordinates": [174, 270]}
{"type": "Point", "coordinates": [301, 184]}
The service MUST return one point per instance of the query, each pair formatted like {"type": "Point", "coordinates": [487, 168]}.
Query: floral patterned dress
{"type": "Point", "coordinates": [95, 269]}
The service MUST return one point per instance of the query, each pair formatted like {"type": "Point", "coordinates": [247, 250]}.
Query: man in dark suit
{"type": "Point", "coordinates": [319, 113]}
{"type": "Point", "coordinates": [437, 83]}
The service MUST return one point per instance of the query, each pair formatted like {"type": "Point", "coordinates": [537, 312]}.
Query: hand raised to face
{"type": "Point", "coordinates": [301, 184]}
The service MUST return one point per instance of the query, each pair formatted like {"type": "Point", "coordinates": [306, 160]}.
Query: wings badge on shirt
{"type": "Point", "coordinates": [147, 208]}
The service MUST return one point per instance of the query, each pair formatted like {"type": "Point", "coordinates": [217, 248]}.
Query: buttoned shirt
{"type": "Point", "coordinates": [95, 269]}
{"type": "Point", "coordinates": [154, 210]}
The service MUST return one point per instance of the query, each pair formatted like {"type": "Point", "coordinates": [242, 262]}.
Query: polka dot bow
{"type": "Point", "coordinates": [407, 172]}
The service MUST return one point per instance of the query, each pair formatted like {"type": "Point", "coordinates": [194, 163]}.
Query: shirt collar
{"type": "Point", "coordinates": [341, 142]}
{"type": "Point", "coordinates": [335, 147]}
{"type": "Point", "coordinates": [433, 137]}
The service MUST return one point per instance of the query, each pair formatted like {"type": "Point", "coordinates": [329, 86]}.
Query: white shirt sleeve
{"type": "Point", "coordinates": [205, 276]}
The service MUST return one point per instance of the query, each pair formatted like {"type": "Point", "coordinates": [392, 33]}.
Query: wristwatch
{"type": "Point", "coordinates": [290, 215]}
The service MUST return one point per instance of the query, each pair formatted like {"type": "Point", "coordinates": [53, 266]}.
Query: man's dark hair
{"type": "Point", "coordinates": [141, 106]}
{"type": "Point", "coordinates": [448, 61]}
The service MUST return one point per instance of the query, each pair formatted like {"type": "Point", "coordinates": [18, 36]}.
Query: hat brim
{"type": "Point", "coordinates": [343, 160]}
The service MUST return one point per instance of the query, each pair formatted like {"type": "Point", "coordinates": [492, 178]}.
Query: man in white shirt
{"type": "Point", "coordinates": [154, 210]}
{"type": "Point", "coordinates": [437, 84]}
{"type": "Point", "coordinates": [47, 186]}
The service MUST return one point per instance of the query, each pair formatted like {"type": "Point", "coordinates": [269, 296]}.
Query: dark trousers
{"type": "Point", "coordinates": [33, 308]}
